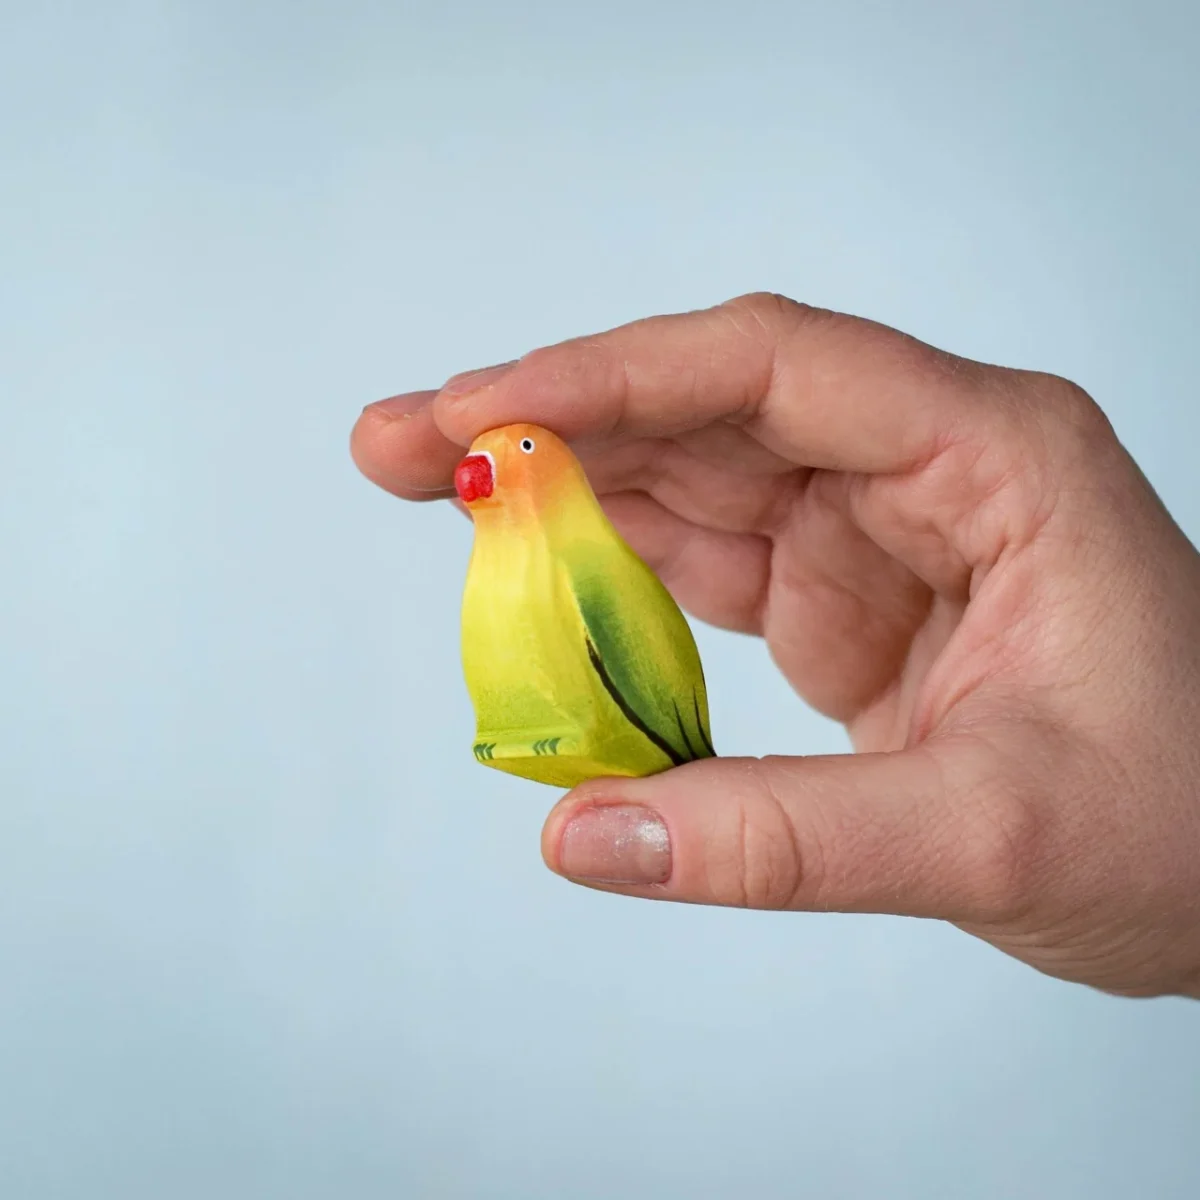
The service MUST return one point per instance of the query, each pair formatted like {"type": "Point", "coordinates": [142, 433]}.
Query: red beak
{"type": "Point", "coordinates": [473, 478]}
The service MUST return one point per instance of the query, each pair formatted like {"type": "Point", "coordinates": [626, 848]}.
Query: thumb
{"type": "Point", "coordinates": [921, 832]}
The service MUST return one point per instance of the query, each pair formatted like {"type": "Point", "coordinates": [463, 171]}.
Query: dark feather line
{"type": "Point", "coordinates": [626, 711]}
{"type": "Point", "coordinates": [687, 741]}
{"type": "Point", "coordinates": [700, 725]}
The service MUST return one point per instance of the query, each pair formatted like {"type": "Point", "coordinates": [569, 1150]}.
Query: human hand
{"type": "Point", "coordinates": [960, 562]}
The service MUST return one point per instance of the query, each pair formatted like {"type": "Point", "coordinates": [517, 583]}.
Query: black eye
{"type": "Point", "coordinates": [527, 445]}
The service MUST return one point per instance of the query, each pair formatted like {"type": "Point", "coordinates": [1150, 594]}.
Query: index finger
{"type": "Point", "coordinates": [819, 388]}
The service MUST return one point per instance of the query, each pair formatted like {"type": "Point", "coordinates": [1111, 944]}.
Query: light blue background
{"type": "Point", "coordinates": [265, 928]}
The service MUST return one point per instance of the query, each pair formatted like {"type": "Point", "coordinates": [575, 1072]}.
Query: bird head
{"type": "Point", "coordinates": [515, 465]}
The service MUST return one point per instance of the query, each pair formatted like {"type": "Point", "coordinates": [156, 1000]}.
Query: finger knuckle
{"type": "Point", "coordinates": [1060, 418]}
{"type": "Point", "coordinates": [771, 310]}
{"type": "Point", "coordinates": [759, 863]}
{"type": "Point", "coordinates": [1066, 398]}
{"type": "Point", "coordinates": [545, 360]}
{"type": "Point", "coordinates": [1044, 438]}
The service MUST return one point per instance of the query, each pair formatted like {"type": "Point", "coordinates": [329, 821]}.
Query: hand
{"type": "Point", "coordinates": [959, 562]}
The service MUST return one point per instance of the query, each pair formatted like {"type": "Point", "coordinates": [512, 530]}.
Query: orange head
{"type": "Point", "coordinates": [517, 467]}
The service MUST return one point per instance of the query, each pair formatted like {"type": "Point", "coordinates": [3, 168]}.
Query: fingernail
{"type": "Point", "coordinates": [406, 405]}
{"type": "Point", "coordinates": [616, 843]}
{"type": "Point", "coordinates": [472, 381]}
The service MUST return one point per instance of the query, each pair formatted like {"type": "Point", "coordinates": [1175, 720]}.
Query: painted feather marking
{"type": "Point", "coordinates": [687, 741]}
{"type": "Point", "coordinates": [627, 709]}
{"type": "Point", "coordinates": [700, 725]}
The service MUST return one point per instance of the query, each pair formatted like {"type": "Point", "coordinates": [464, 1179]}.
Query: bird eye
{"type": "Point", "coordinates": [527, 445]}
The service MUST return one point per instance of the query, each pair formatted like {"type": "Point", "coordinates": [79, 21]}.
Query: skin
{"type": "Point", "coordinates": [958, 561]}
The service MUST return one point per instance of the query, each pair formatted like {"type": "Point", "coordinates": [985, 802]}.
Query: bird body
{"type": "Point", "coordinates": [578, 661]}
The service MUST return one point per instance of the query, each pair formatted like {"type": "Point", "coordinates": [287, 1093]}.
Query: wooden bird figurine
{"type": "Point", "coordinates": [578, 661]}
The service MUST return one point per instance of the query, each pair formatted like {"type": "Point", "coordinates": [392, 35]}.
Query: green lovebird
{"type": "Point", "coordinates": [578, 661]}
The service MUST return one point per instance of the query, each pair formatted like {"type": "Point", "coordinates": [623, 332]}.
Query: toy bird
{"type": "Point", "coordinates": [578, 661]}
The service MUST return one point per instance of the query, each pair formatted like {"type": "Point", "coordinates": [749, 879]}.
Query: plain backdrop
{"type": "Point", "coordinates": [266, 930]}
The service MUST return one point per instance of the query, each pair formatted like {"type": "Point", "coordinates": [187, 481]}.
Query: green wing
{"type": "Point", "coordinates": [642, 649]}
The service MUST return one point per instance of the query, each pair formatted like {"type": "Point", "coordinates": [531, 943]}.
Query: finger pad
{"type": "Point", "coordinates": [405, 453]}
